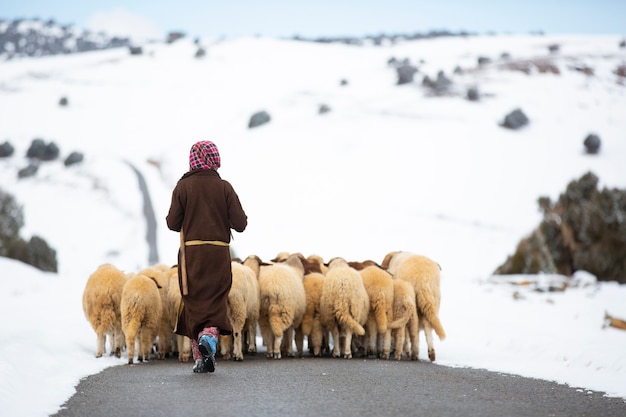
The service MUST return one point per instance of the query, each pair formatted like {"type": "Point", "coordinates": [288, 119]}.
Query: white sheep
{"type": "Point", "coordinates": [141, 315]}
{"type": "Point", "coordinates": [159, 273]}
{"type": "Point", "coordinates": [311, 324]}
{"type": "Point", "coordinates": [282, 302]}
{"type": "Point", "coordinates": [344, 305]}
{"type": "Point", "coordinates": [424, 274]}
{"type": "Point", "coordinates": [404, 320]}
{"type": "Point", "coordinates": [243, 312]}
{"type": "Point", "coordinates": [101, 303]}
{"type": "Point", "coordinates": [379, 286]}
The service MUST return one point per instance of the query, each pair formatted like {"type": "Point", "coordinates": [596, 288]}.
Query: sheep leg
{"type": "Point", "coordinates": [101, 342]}
{"type": "Point", "coordinates": [237, 345]}
{"type": "Point", "coordinates": [428, 332]}
{"type": "Point", "coordinates": [252, 338]}
{"type": "Point", "coordinates": [399, 338]}
{"type": "Point", "coordinates": [131, 334]}
{"type": "Point", "coordinates": [118, 335]}
{"type": "Point", "coordinates": [184, 348]}
{"type": "Point", "coordinates": [347, 354]}
{"type": "Point", "coordinates": [316, 338]}
{"type": "Point", "coordinates": [288, 342]}
{"type": "Point", "coordinates": [371, 334]}
{"type": "Point", "coordinates": [146, 344]}
{"type": "Point", "coordinates": [278, 339]}
{"type": "Point", "coordinates": [226, 346]}
{"type": "Point", "coordinates": [414, 337]}
{"type": "Point", "coordinates": [386, 348]}
{"type": "Point", "coordinates": [336, 348]}
{"type": "Point", "coordinates": [299, 337]}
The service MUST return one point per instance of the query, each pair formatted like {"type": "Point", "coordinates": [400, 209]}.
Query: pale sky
{"type": "Point", "coordinates": [278, 18]}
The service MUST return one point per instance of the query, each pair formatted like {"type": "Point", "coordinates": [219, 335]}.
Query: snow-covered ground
{"type": "Point", "coordinates": [388, 168]}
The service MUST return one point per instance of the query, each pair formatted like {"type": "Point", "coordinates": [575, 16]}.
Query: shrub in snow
{"type": "Point", "coordinates": [73, 158]}
{"type": "Point", "coordinates": [438, 86]}
{"type": "Point", "coordinates": [135, 50]}
{"type": "Point", "coordinates": [531, 256]}
{"type": "Point", "coordinates": [200, 53]}
{"type": "Point", "coordinates": [515, 120]}
{"type": "Point", "coordinates": [6, 149]}
{"type": "Point", "coordinates": [35, 252]}
{"type": "Point", "coordinates": [11, 221]}
{"type": "Point", "coordinates": [585, 229]}
{"type": "Point", "coordinates": [592, 143]}
{"type": "Point", "coordinates": [258, 119]}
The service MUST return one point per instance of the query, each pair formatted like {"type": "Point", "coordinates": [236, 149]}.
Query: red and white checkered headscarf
{"type": "Point", "coordinates": [204, 155]}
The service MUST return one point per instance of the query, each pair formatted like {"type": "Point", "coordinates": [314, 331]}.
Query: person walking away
{"type": "Point", "coordinates": [203, 210]}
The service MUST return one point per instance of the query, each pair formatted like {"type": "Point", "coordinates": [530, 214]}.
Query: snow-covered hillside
{"type": "Point", "coordinates": [390, 167]}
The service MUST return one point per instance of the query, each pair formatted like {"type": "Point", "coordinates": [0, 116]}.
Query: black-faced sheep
{"type": "Point", "coordinates": [141, 315]}
{"type": "Point", "coordinates": [379, 286]}
{"type": "Point", "coordinates": [424, 274]}
{"type": "Point", "coordinates": [344, 305]}
{"type": "Point", "coordinates": [243, 312]}
{"type": "Point", "coordinates": [282, 302]}
{"type": "Point", "coordinates": [101, 303]}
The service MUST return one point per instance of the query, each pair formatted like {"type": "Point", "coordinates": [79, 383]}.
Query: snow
{"type": "Point", "coordinates": [389, 168]}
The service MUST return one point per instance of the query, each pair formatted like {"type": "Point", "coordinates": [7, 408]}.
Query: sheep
{"type": "Point", "coordinates": [424, 274]}
{"type": "Point", "coordinates": [174, 301]}
{"type": "Point", "coordinates": [101, 304]}
{"type": "Point", "coordinates": [141, 314]}
{"type": "Point", "coordinates": [164, 333]}
{"type": "Point", "coordinates": [282, 302]}
{"type": "Point", "coordinates": [311, 324]}
{"type": "Point", "coordinates": [344, 305]}
{"type": "Point", "coordinates": [404, 318]}
{"type": "Point", "coordinates": [379, 286]}
{"type": "Point", "coordinates": [243, 312]}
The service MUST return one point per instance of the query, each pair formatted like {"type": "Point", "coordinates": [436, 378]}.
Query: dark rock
{"type": "Point", "coordinates": [258, 119]}
{"type": "Point", "coordinates": [200, 53]}
{"type": "Point", "coordinates": [405, 74]}
{"type": "Point", "coordinates": [515, 120]}
{"type": "Point", "coordinates": [473, 94]}
{"type": "Point", "coordinates": [63, 102]}
{"type": "Point", "coordinates": [6, 150]}
{"type": "Point", "coordinates": [592, 143]}
{"type": "Point", "coordinates": [343, 82]}
{"type": "Point", "coordinates": [29, 171]}
{"type": "Point", "coordinates": [483, 60]}
{"type": "Point", "coordinates": [73, 158]}
{"type": "Point", "coordinates": [554, 48]}
{"type": "Point", "coordinates": [40, 150]}
{"type": "Point", "coordinates": [135, 50]}
{"type": "Point", "coordinates": [324, 109]}
{"type": "Point", "coordinates": [622, 44]}
{"type": "Point", "coordinates": [174, 36]}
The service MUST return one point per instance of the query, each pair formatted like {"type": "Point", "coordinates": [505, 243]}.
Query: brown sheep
{"type": "Point", "coordinates": [141, 315]}
{"type": "Point", "coordinates": [101, 303]}
{"type": "Point", "coordinates": [344, 305]}
{"type": "Point", "coordinates": [282, 303]}
{"type": "Point", "coordinates": [424, 274]}
{"type": "Point", "coordinates": [243, 312]}
{"type": "Point", "coordinates": [404, 319]}
{"type": "Point", "coordinates": [379, 286]}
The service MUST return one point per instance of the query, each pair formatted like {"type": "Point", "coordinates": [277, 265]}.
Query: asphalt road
{"type": "Point", "coordinates": [326, 387]}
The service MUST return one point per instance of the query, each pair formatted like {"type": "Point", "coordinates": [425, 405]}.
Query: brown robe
{"type": "Point", "coordinates": [205, 207]}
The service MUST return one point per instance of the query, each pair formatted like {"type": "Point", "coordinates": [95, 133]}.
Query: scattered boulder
{"type": "Point", "coordinates": [592, 143]}
{"type": "Point", "coordinates": [324, 108]}
{"type": "Point", "coordinates": [473, 94]}
{"type": "Point", "coordinates": [44, 152]}
{"type": "Point", "coordinates": [621, 71]}
{"type": "Point", "coordinates": [554, 48]}
{"type": "Point", "coordinates": [135, 50]}
{"type": "Point", "coordinates": [63, 102]}
{"type": "Point", "coordinates": [405, 73]}
{"type": "Point", "coordinates": [622, 44]}
{"type": "Point", "coordinates": [200, 53]}
{"type": "Point", "coordinates": [483, 60]}
{"type": "Point", "coordinates": [6, 150]}
{"type": "Point", "coordinates": [343, 82]}
{"type": "Point", "coordinates": [515, 120]}
{"type": "Point", "coordinates": [174, 36]}
{"type": "Point", "coordinates": [439, 85]}
{"type": "Point", "coordinates": [28, 171]}
{"type": "Point", "coordinates": [73, 158]}
{"type": "Point", "coordinates": [258, 119]}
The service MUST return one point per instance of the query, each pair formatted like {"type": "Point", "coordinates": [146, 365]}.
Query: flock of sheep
{"type": "Point", "coordinates": [373, 309]}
